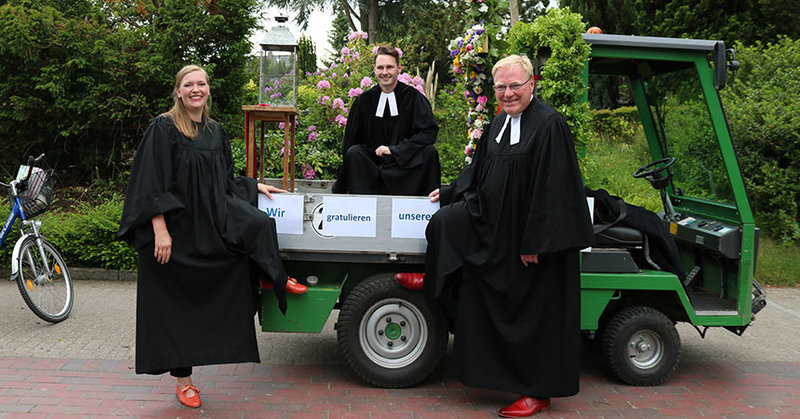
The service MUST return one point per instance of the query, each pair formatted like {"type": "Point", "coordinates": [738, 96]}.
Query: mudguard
{"type": "Point", "coordinates": [15, 255]}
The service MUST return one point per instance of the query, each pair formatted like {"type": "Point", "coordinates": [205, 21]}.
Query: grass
{"type": "Point", "coordinates": [778, 264]}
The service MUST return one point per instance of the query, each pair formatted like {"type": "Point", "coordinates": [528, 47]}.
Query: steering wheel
{"type": "Point", "coordinates": [651, 169]}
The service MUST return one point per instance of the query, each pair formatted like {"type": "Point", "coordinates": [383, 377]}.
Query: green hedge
{"type": "Point", "coordinates": [763, 112]}
{"type": "Point", "coordinates": [85, 236]}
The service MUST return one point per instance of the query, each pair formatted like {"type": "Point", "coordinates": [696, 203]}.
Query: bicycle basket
{"type": "Point", "coordinates": [39, 195]}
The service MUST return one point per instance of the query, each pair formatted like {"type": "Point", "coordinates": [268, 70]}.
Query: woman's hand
{"type": "Point", "coordinates": [162, 245]}
{"type": "Point", "coordinates": [526, 259]}
{"type": "Point", "coordinates": [268, 190]}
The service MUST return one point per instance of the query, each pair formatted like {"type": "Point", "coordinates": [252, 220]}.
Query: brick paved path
{"type": "Point", "coordinates": [61, 388]}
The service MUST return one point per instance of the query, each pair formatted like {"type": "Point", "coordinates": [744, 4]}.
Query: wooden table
{"type": "Point", "coordinates": [256, 153]}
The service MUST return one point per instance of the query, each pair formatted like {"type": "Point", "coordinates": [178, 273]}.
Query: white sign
{"type": "Point", "coordinates": [590, 204]}
{"type": "Point", "coordinates": [286, 210]}
{"type": "Point", "coordinates": [349, 216]}
{"type": "Point", "coordinates": [410, 216]}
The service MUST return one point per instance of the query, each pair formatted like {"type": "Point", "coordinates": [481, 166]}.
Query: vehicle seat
{"type": "Point", "coordinates": [626, 238]}
{"type": "Point", "coordinates": [619, 236]}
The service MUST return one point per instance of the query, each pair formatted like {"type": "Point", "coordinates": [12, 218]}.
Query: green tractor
{"type": "Point", "coordinates": [391, 337]}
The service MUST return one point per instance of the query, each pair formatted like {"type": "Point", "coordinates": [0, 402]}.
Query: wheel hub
{"type": "Point", "coordinates": [393, 333]}
{"type": "Point", "coordinates": [645, 349]}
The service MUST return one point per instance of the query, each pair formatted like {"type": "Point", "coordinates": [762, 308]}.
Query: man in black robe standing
{"type": "Point", "coordinates": [388, 143]}
{"type": "Point", "coordinates": [507, 245]}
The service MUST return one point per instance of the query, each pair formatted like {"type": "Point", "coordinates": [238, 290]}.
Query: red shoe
{"type": "Point", "coordinates": [525, 406]}
{"type": "Point", "coordinates": [292, 286]}
{"type": "Point", "coordinates": [410, 280]}
{"type": "Point", "coordinates": [193, 401]}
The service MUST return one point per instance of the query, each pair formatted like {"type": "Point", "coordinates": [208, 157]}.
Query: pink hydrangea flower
{"type": "Point", "coordinates": [355, 92]}
{"type": "Point", "coordinates": [405, 78]}
{"type": "Point", "coordinates": [358, 34]}
{"type": "Point", "coordinates": [281, 125]}
{"type": "Point", "coordinates": [366, 82]}
{"type": "Point", "coordinates": [312, 128]}
{"type": "Point", "coordinates": [324, 84]}
{"type": "Point", "coordinates": [323, 99]}
{"type": "Point", "coordinates": [312, 136]}
{"type": "Point", "coordinates": [341, 120]}
{"type": "Point", "coordinates": [399, 52]}
{"type": "Point", "coordinates": [345, 51]}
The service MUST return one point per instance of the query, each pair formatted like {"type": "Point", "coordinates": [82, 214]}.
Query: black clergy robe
{"type": "Point", "coordinates": [198, 308]}
{"type": "Point", "coordinates": [517, 329]}
{"type": "Point", "coordinates": [413, 167]}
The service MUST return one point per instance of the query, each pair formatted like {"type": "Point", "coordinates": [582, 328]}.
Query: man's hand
{"type": "Point", "coordinates": [434, 196]}
{"type": "Point", "coordinates": [526, 259]}
{"type": "Point", "coordinates": [383, 151]}
{"type": "Point", "coordinates": [268, 189]}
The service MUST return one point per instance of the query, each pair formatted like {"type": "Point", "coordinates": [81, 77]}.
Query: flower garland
{"type": "Point", "coordinates": [472, 62]}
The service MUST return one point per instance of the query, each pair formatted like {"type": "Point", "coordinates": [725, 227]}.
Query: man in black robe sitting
{"type": "Point", "coordinates": [388, 143]}
{"type": "Point", "coordinates": [509, 235]}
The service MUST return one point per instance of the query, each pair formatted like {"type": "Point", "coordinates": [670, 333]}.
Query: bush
{"type": "Point", "coordinates": [451, 115]}
{"type": "Point", "coordinates": [85, 236]}
{"type": "Point", "coordinates": [764, 117]}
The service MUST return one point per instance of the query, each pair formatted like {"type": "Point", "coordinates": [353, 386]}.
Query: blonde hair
{"type": "Point", "coordinates": [520, 60]}
{"type": "Point", "coordinates": [183, 123]}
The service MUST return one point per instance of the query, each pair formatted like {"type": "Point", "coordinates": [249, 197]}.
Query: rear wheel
{"type": "Point", "coordinates": [389, 335]}
{"type": "Point", "coordinates": [44, 281]}
{"type": "Point", "coordinates": [642, 346]}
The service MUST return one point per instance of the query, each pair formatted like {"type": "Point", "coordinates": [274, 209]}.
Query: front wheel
{"type": "Point", "coordinates": [44, 281]}
{"type": "Point", "coordinates": [389, 335]}
{"type": "Point", "coordinates": [642, 346]}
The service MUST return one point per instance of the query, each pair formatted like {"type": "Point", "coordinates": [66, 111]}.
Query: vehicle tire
{"type": "Point", "coordinates": [47, 292]}
{"type": "Point", "coordinates": [390, 336]}
{"type": "Point", "coordinates": [641, 346]}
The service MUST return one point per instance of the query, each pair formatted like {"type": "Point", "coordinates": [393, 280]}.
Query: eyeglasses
{"type": "Point", "coordinates": [514, 87]}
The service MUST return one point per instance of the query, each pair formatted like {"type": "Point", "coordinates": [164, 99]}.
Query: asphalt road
{"type": "Point", "coordinates": [102, 324]}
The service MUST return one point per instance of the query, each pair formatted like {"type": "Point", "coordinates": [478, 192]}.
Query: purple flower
{"type": "Point", "coordinates": [355, 92]}
{"type": "Point", "coordinates": [274, 95]}
{"type": "Point", "coordinates": [312, 136]}
{"type": "Point", "coordinates": [405, 78]}
{"type": "Point", "coordinates": [308, 172]}
{"type": "Point", "coordinates": [312, 128]}
{"type": "Point", "coordinates": [323, 84]}
{"type": "Point", "coordinates": [339, 104]}
{"type": "Point", "coordinates": [281, 125]}
{"type": "Point", "coordinates": [345, 51]}
{"type": "Point", "coordinates": [366, 82]}
{"type": "Point", "coordinates": [341, 120]}
{"type": "Point", "coordinates": [323, 99]}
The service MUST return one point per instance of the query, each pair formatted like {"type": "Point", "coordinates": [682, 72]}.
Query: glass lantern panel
{"type": "Point", "coordinates": [277, 83]}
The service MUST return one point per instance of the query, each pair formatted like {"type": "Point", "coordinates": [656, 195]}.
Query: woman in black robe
{"type": "Point", "coordinates": [509, 242]}
{"type": "Point", "coordinates": [202, 243]}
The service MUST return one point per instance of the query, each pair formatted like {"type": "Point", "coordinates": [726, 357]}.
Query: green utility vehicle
{"type": "Point", "coordinates": [391, 337]}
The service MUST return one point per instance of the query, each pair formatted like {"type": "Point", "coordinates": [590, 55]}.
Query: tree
{"type": "Point", "coordinates": [728, 20]}
{"type": "Point", "coordinates": [83, 78]}
{"type": "Point", "coordinates": [306, 56]}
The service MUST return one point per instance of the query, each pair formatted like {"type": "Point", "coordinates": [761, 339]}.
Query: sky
{"type": "Point", "coordinates": [318, 27]}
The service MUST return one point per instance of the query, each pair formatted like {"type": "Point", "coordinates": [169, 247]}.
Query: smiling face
{"type": "Point", "coordinates": [193, 92]}
{"type": "Point", "coordinates": [386, 70]}
{"type": "Point", "coordinates": [513, 102]}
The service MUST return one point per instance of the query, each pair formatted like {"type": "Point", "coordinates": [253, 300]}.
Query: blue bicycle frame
{"type": "Point", "coordinates": [16, 212]}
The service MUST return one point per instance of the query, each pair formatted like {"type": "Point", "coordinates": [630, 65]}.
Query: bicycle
{"type": "Point", "coordinates": [41, 273]}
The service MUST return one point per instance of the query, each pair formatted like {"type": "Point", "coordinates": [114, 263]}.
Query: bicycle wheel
{"type": "Point", "coordinates": [44, 281]}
